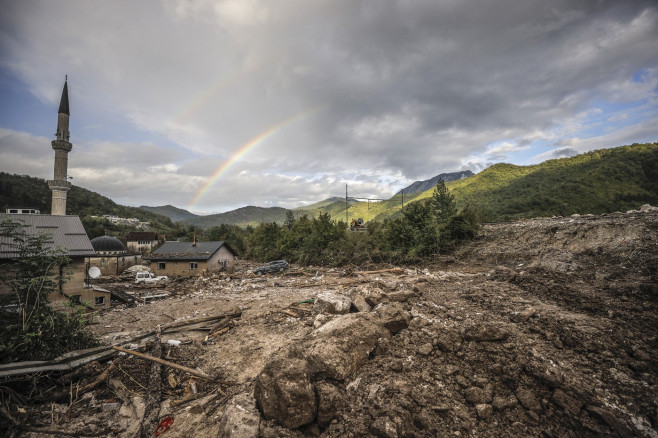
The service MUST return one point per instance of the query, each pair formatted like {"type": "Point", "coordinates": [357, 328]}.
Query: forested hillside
{"type": "Point", "coordinates": [599, 181]}
{"type": "Point", "coordinates": [23, 191]}
{"type": "Point", "coordinates": [243, 216]}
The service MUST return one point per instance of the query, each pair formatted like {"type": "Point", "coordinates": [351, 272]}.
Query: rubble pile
{"type": "Point", "coordinates": [545, 327]}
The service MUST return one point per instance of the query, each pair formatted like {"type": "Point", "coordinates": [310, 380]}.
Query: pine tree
{"type": "Point", "coordinates": [443, 203]}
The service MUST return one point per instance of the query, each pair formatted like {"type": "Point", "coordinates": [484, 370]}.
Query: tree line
{"type": "Point", "coordinates": [424, 229]}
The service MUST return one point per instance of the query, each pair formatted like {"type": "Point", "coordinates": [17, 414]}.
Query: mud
{"type": "Point", "coordinates": [545, 327]}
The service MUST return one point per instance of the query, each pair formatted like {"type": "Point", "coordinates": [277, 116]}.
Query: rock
{"type": "Point", "coordinates": [329, 402]}
{"type": "Point", "coordinates": [383, 427]}
{"type": "Point", "coordinates": [484, 411]}
{"type": "Point", "coordinates": [425, 349]}
{"type": "Point", "coordinates": [482, 333]}
{"type": "Point", "coordinates": [546, 373]}
{"type": "Point", "coordinates": [360, 304]}
{"type": "Point", "coordinates": [402, 296]}
{"type": "Point", "coordinates": [475, 395]}
{"type": "Point", "coordinates": [449, 341]}
{"type": "Point", "coordinates": [335, 304]}
{"type": "Point", "coordinates": [241, 418]}
{"type": "Point", "coordinates": [499, 403]}
{"type": "Point", "coordinates": [342, 346]}
{"type": "Point", "coordinates": [523, 315]}
{"type": "Point", "coordinates": [377, 296]}
{"type": "Point", "coordinates": [285, 394]}
{"type": "Point", "coordinates": [320, 320]}
{"type": "Point", "coordinates": [570, 405]}
{"type": "Point", "coordinates": [394, 317]}
{"type": "Point", "coordinates": [609, 418]}
{"type": "Point", "coordinates": [528, 400]}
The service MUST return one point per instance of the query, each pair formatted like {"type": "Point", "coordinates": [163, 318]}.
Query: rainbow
{"type": "Point", "coordinates": [269, 132]}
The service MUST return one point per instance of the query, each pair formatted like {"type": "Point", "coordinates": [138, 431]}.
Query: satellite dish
{"type": "Point", "coordinates": [94, 272]}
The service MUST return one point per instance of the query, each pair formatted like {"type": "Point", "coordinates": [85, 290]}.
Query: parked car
{"type": "Point", "coordinates": [148, 277]}
{"type": "Point", "coordinates": [275, 266]}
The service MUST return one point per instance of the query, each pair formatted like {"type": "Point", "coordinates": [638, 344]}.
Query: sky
{"type": "Point", "coordinates": [211, 105]}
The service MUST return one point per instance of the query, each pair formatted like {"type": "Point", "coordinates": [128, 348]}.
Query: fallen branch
{"type": "Point", "coordinates": [220, 325]}
{"type": "Point", "coordinates": [288, 312]}
{"type": "Point", "coordinates": [196, 373]}
{"type": "Point", "coordinates": [187, 399]}
{"type": "Point", "coordinates": [218, 333]}
{"type": "Point", "coordinates": [98, 380]}
{"type": "Point", "coordinates": [383, 271]}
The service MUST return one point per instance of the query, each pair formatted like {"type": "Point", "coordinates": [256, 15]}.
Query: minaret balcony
{"type": "Point", "coordinates": [62, 145]}
{"type": "Point", "coordinates": [62, 186]}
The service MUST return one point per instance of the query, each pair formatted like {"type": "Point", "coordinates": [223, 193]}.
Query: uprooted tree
{"type": "Point", "coordinates": [30, 329]}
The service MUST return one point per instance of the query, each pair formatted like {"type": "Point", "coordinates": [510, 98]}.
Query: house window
{"type": "Point", "coordinates": [123, 261]}
{"type": "Point", "coordinates": [193, 265]}
{"type": "Point", "coordinates": [99, 301]}
{"type": "Point", "coordinates": [76, 299]}
{"type": "Point", "coordinates": [135, 259]}
{"type": "Point", "coordinates": [102, 263]}
{"type": "Point", "coordinates": [161, 265]}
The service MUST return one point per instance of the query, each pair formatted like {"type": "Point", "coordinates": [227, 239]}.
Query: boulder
{"type": "Point", "coordinates": [360, 304]}
{"type": "Point", "coordinates": [327, 302]}
{"type": "Point", "coordinates": [394, 317]}
{"type": "Point", "coordinates": [241, 418]}
{"type": "Point", "coordinates": [330, 401]}
{"type": "Point", "coordinates": [341, 346]}
{"type": "Point", "coordinates": [285, 394]}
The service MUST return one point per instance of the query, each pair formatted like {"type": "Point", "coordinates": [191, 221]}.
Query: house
{"type": "Point", "coordinates": [191, 258]}
{"type": "Point", "coordinates": [111, 257]}
{"type": "Point", "coordinates": [67, 234]}
{"type": "Point", "coordinates": [142, 241]}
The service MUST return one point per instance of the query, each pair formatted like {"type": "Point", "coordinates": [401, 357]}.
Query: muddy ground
{"type": "Point", "coordinates": [544, 327]}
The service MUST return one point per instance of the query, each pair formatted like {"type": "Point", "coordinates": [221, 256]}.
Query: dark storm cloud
{"type": "Point", "coordinates": [382, 92]}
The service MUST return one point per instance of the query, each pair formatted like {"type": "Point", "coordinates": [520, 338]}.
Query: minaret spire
{"type": "Point", "coordinates": [59, 185]}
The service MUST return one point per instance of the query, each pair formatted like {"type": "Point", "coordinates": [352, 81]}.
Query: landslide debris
{"type": "Point", "coordinates": [544, 327]}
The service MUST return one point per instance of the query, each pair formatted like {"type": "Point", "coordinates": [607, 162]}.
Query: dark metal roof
{"type": "Point", "coordinates": [107, 243]}
{"type": "Point", "coordinates": [67, 234]}
{"type": "Point", "coordinates": [64, 101]}
{"type": "Point", "coordinates": [187, 251]}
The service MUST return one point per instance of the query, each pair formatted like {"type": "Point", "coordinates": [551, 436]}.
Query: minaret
{"type": "Point", "coordinates": [59, 184]}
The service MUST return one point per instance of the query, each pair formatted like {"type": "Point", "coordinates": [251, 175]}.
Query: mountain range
{"type": "Point", "coordinates": [599, 181]}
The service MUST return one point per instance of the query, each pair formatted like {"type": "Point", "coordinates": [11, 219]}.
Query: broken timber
{"type": "Point", "coordinates": [74, 359]}
{"type": "Point", "coordinates": [196, 373]}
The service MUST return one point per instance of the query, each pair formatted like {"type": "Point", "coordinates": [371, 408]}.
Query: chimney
{"type": "Point", "coordinates": [194, 241]}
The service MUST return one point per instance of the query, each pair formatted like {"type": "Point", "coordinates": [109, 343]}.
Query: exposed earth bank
{"type": "Point", "coordinates": [544, 327]}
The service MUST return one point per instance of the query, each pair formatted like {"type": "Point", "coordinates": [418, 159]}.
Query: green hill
{"type": "Point", "coordinates": [600, 181]}
{"type": "Point", "coordinates": [23, 191]}
{"type": "Point", "coordinates": [174, 213]}
{"type": "Point", "coordinates": [249, 215]}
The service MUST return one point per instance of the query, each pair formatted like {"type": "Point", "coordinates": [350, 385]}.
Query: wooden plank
{"type": "Point", "coordinates": [197, 373]}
